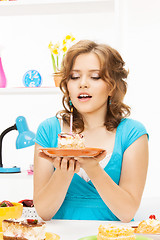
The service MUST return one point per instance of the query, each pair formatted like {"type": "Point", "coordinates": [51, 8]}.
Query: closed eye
{"type": "Point", "coordinates": [96, 78]}
{"type": "Point", "coordinates": [72, 77]}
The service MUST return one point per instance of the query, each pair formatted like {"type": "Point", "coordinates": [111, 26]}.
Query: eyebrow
{"type": "Point", "coordinates": [92, 70]}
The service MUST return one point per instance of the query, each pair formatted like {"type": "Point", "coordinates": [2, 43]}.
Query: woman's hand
{"type": "Point", "coordinates": [50, 187]}
{"type": "Point", "coordinates": [89, 163]}
{"type": "Point", "coordinates": [65, 164]}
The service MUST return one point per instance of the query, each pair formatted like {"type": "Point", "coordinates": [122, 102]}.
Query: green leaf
{"type": "Point", "coordinates": [53, 61]}
{"type": "Point", "coordinates": [3, 205]}
{"type": "Point", "coordinates": [57, 62]}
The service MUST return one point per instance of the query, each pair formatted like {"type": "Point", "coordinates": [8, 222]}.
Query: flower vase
{"type": "Point", "coordinates": [3, 81]}
{"type": "Point", "coordinates": [57, 80]}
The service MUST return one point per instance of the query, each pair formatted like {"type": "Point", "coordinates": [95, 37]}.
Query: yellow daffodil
{"type": "Point", "coordinates": [50, 46]}
{"type": "Point", "coordinates": [58, 51]}
{"type": "Point", "coordinates": [64, 41]}
{"type": "Point", "coordinates": [55, 51]}
{"type": "Point", "coordinates": [64, 49]}
{"type": "Point", "coordinates": [73, 39]}
{"type": "Point", "coordinates": [68, 37]}
{"type": "Point", "coordinates": [57, 45]}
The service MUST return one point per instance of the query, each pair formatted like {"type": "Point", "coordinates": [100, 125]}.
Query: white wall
{"type": "Point", "coordinates": [141, 49]}
{"type": "Point", "coordinates": [35, 108]}
{"type": "Point", "coordinates": [26, 41]}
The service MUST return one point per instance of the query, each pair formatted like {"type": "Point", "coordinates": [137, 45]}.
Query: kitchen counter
{"type": "Point", "coordinates": [75, 229]}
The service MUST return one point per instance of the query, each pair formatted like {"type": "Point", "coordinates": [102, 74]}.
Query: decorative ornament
{"type": "Point", "coordinates": [3, 81]}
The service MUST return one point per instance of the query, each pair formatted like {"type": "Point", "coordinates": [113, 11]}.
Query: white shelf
{"type": "Point", "coordinates": [29, 91]}
{"type": "Point", "coordinates": [18, 8]}
{"type": "Point", "coordinates": [20, 175]}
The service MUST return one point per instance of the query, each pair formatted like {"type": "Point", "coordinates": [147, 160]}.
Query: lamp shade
{"type": "Point", "coordinates": [25, 137]}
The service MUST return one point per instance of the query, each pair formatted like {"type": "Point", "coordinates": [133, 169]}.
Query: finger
{"type": "Point", "coordinates": [101, 155]}
{"type": "Point", "coordinates": [64, 164]}
{"type": "Point", "coordinates": [71, 165]}
{"type": "Point", "coordinates": [77, 166]}
{"type": "Point", "coordinates": [80, 159]}
{"type": "Point", "coordinates": [57, 162]}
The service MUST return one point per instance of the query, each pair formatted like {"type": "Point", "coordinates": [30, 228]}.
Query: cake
{"type": "Point", "coordinates": [29, 210]}
{"type": "Point", "coordinates": [149, 226]}
{"type": "Point", "coordinates": [29, 229]}
{"type": "Point", "coordinates": [67, 140]}
{"type": "Point", "coordinates": [112, 232]}
{"type": "Point", "coordinates": [6, 204]}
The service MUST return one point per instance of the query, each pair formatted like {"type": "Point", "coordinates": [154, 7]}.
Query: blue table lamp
{"type": "Point", "coordinates": [24, 139]}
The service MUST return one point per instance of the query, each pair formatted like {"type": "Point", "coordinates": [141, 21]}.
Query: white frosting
{"type": "Point", "coordinates": [153, 222]}
{"type": "Point", "coordinates": [34, 233]}
{"type": "Point", "coordinates": [116, 227]}
{"type": "Point", "coordinates": [72, 141]}
{"type": "Point", "coordinates": [119, 232]}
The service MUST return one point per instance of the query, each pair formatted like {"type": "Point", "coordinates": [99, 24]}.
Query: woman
{"type": "Point", "coordinates": [110, 185]}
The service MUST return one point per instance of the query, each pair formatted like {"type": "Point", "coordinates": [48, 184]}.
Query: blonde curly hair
{"type": "Point", "coordinates": [111, 70]}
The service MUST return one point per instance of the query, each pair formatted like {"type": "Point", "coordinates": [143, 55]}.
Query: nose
{"type": "Point", "coordinates": [83, 82]}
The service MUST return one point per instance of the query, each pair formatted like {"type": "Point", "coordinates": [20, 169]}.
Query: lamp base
{"type": "Point", "coordinates": [10, 170]}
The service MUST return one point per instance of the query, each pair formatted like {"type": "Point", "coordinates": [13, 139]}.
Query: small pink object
{"type": "Point", "coordinates": [3, 81]}
{"type": "Point", "coordinates": [30, 172]}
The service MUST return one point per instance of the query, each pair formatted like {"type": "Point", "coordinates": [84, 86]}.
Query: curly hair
{"type": "Point", "coordinates": [111, 70]}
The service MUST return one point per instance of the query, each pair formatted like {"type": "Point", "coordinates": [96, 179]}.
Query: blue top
{"type": "Point", "coordinates": [82, 201]}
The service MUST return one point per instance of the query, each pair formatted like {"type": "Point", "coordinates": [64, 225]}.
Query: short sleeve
{"type": "Point", "coordinates": [132, 130]}
{"type": "Point", "coordinates": [47, 133]}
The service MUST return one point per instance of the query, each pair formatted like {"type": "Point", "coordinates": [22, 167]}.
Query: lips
{"type": "Point", "coordinates": [84, 96]}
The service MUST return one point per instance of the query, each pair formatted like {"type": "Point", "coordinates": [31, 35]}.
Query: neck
{"type": "Point", "coordinates": [94, 120]}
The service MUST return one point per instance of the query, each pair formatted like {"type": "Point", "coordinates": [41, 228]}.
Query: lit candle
{"type": "Point", "coordinates": [71, 120]}
{"type": "Point", "coordinates": [61, 124]}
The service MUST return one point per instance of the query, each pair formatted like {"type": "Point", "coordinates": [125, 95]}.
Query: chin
{"type": "Point", "coordinates": [84, 111]}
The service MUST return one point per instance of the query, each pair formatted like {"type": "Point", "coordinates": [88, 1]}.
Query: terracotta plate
{"type": "Point", "coordinates": [68, 152]}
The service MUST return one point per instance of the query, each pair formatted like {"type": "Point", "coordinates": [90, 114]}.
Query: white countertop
{"type": "Point", "coordinates": [75, 229]}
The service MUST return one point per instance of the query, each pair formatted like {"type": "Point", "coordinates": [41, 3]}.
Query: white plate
{"type": "Point", "coordinates": [152, 236]}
